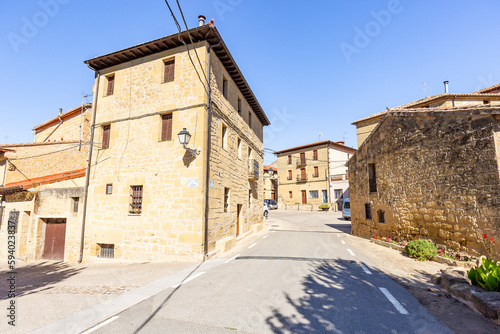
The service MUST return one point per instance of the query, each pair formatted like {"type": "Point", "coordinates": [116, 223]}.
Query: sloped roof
{"type": "Point", "coordinates": [48, 179]}
{"type": "Point", "coordinates": [67, 115]}
{"type": "Point", "coordinates": [487, 89]}
{"type": "Point", "coordinates": [204, 33]}
{"type": "Point", "coordinates": [338, 145]}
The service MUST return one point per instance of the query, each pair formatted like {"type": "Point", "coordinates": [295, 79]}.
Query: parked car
{"type": "Point", "coordinates": [271, 204]}
{"type": "Point", "coordinates": [346, 209]}
{"type": "Point", "coordinates": [266, 210]}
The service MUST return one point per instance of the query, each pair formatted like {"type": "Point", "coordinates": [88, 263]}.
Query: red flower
{"type": "Point", "coordinates": [492, 239]}
{"type": "Point", "coordinates": [484, 236]}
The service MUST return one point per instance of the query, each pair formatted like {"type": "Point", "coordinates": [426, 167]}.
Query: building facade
{"type": "Point", "coordinates": [314, 173]}
{"type": "Point", "coordinates": [270, 179]}
{"type": "Point", "coordinates": [150, 197]}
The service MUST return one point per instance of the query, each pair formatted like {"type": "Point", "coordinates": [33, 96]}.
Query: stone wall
{"type": "Point", "coordinates": [74, 128]}
{"type": "Point", "coordinates": [437, 177]}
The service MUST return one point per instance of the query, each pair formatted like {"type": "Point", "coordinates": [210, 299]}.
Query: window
{"type": "Point", "coordinates": [372, 178]}
{"type": "Point", "coordinates": [105, 136]}
{"type": "Point", "coordinates": [169, 70]}
{"type": "Point", "coordinates": [249, 154]}
{"type": "Point", "coordinates": [368, 211]}
{"type": "Point", "coordinates": [109, 188]}
{"type": "Point", "coordinates": [74, 204]}
{"type": "Point", "coordinates": [338, 193]}
{"type": "Point", "coordinates": [486, 102]}
{"type": "Point", "coordinates": [249, 198]}
{"type": "Point", "coordinates": [302, 158]}
{"type": "Point", "coordinates": [107, 251]}
{"type": "Point", "coordinates": [239, 148]}
{"type": "Point", "coordinates": [166, 127]}
{"type": "Point", "coordinates": [111, 85]}
{"type": "Point", "coordinates": [289, 175]}
{"type": "Point", "coordinates": [226, 199]}
{"type": "Point", "coordinates": [316, 171]}
{"type": "Point", "coordinates": [313, 194]}
{"type": "Point", "coordinates": [303, 174]}
{"type": "Point", "coordinates": [239, 106]}
{"type": "Point", "coordinates": [136, 200]}
{"type": "Point", "coordinates": [381, 216]}
{"type": "Point", "coordinates": [224, 137]}
{"type": "Point", "coordinates": [250, 119]}
{"type": "Point", "coordinates": [224, 87]}
{"type": "Point", "coordinates": [315, 155]}
{"type": "Point", "coordinates": [289, 159]}
{"type": "Point", "coordinates": [290, 194]}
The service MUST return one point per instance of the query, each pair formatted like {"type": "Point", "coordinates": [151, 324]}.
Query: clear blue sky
{"type": "Point", "coordinates": [315, 66]}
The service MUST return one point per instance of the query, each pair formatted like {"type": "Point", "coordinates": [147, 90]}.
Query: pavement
{"type": "Point", "coordinates": [56, 297]}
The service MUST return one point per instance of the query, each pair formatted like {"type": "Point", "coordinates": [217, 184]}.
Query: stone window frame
{"type": "Point", "coordinates": [313, 193]}
{"type": "Point", "coordinates": [289, 161]}
{"type": "Point", "coordinates": [381, 216]}
{"type": "Point", "coordinates": [136, 200]}
{"type": "Point", "coordinates": [167, 136]}
{"type": "Point", "coordinates": [316, 171]}
{"type": "Point", "coordinates": [109, 188]}
{"type": "Point", "coordinates": [368, 211]}
{"type": "Point", "coordinates": [315, 155]}
{"type": "Point", "coordinates": [168, 73]}
{"type": "Point", "coordinates": [289, 177]}
{"type": "Point", "coordinates": [110, 84]}
{"type": "Point", "coordinates": [106, 136]}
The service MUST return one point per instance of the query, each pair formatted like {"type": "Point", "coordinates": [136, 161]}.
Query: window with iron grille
{"type": "Point", "coordinates": [315, 155]}
{"type": "Point", "coordinates": [166, 127]}
{"type": "Point", "coordinates": [226, 199]}
{"type": "Point", "coordinates": [110, 89]}
{"type": "Point", "coordinates": [136, 200]}
{"type": "Point", "coordinates": [368, 211]}
{"type": "Point", "coordinates": [74, 204]}
{"type": "Point", "coordinates": [381, 216]}
{"type": "Point", "coordinates": [372, 178]}
{"type": "Point", "coordinates": [169, 70]}
{"type": "Point", "coordinates": [106, 130]}
{"type": "Point", "coordinates": [107, 251]}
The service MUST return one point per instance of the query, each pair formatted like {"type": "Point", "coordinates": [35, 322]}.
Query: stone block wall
{"type": "Point", "coordinates": [437, 177]}
{"type": "Point", "coordinates": [74, 128]}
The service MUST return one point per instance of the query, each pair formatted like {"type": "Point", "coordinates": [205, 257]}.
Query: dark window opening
{"type": "Point", "coordinates": [368, 211]}
{"type": "Point", "coordinates": [75, 201]}
{"type": "Point", "coordinates": [486, 102]}
{"type": "Point", "coordinates": [381, 216]}
{"type": "Point", "coordinates": [226, 199]}
{"type": "Point", "coordinates": [109, 189]}
{"type": "Point", "coordinates": [239, 106]}
{"type": "Point", "coordinates": [372, 178]}
{"type": "Point", "coordinates": [224, 87]}
{"type": "Point", "coordinates": [107, 251]}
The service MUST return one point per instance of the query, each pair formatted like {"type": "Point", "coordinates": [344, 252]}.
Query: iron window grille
{"type": "Point", "coordinates": [107, 251]}
{"type": "Point", "coordinates": [136, 200]}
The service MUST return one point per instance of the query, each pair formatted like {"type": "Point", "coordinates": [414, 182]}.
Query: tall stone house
{"type": "Point", "coordinates": [150, 197]}
{"type": "Point", "coordinates": [314, 173]}
{"type": "Point", "coordinates": [270, 179]}
{"type": "Point", "coordinates": [41, 187]}
{"type": "Point", "coordinates": [431, 172]}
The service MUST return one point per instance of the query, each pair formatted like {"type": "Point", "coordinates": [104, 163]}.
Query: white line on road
{"type": "Point", "coordinates": [394, 301]}
{"type": "Point", "coordinates": [102, 324]}
{"type": "Point", "coordinates": [273, 231]}
{"type": "Point", "coordinates": [265, 236]}
{"type": "Point", "coordinates": [351, 252]}
{"type": "Point", "coordinates": [187, 280]}
{"type": "Point", "coordinates": [252, 245]}
{"type": "Point", "coordinates": [342, 242]}
{"type": "Point", "coordinates": [365, 269]}
{"type": "Point", "coordinates": [231, 259]}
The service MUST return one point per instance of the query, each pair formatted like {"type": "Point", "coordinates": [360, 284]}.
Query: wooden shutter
{"type": "Point", "coordinates": [166, 127]}
{"type": "Point", "coordinates": [111, 85]}
{"type": "Point", "coordinates": [105, 136]}
{"type": "Point", "coordinates": [316, 171]}
{"type": "Point", "coordinates": [315, 155]}
{"type": "Point", "coordinates": [169, 74]}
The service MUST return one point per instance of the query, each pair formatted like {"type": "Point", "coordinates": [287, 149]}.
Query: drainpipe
{"type": "Point", "coordinates": [207, 167]}
{"type": "Point", "coordinates": [89, 160]}
{"type": "Point", "coordinates": [328, 176]}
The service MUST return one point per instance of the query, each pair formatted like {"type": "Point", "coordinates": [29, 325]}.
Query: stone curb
{"type": "Point", "coordinates": [438, 258]}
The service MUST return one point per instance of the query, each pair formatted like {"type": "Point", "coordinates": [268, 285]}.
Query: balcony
{"type": "Point", "coordinates": [253, 171]}
{"type": "Point", "coordinates": [302, 178]}
{"type": "Point", "coordinates": [301, 163]}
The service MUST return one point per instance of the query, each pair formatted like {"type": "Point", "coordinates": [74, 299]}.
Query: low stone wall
{"type": "Point", "coordinates": [302, 207]}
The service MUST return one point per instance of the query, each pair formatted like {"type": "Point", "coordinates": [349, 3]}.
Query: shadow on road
{"type": "Point", "coordinates": [37, 277]}
{"type": "Point", "coordinates": [346, 228]}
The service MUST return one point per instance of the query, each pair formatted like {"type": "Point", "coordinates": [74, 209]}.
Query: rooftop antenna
{"type": "Point", "coordinates": [424, 87]}
{"type": "Point", "coordinates": [319, 135]}
{"type": "Point", "coordinates": [344, 138]}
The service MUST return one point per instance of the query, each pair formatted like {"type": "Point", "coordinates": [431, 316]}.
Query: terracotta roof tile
{"type": "Point", "coordinates": [48, 179]}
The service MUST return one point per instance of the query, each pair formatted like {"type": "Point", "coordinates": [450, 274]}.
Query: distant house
{"type": "Point", "coordinates": [314, 173]}
{"type": "Point", "coordinates": [430, 172]}
{"type": "Point", "coordinates": [270, 179]}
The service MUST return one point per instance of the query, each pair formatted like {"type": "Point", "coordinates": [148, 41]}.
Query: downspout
{"type": "Point", "coordinates": [207, 167]}
{"type": "Point", "coordinates": [89, 160]}
{"type": "Point", "coordinates": [328, 176]}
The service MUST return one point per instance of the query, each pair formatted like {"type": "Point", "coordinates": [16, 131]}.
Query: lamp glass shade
{"type": "Point", "coordinates": [184, 137]}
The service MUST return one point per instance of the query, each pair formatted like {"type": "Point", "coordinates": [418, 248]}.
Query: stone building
{"type": "Point", "coordinates": [314, 173]}
{"type": "Point", "coordinates": [270, 179]}
{"type": "Point", "coordinates": [151, 198]}
{"type": "Point", "coordinates": [430, 173]}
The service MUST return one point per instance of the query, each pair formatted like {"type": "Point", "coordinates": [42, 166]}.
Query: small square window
{"type": "Point", "coordinates": [109, 188]}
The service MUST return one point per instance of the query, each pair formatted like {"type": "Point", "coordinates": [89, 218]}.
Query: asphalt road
{"type": "Point", "coordinates": [302, 277]}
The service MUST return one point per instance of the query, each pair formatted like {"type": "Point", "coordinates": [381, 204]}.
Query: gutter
{"type": "Point", "coordinates": [89, 160]}
{"type": "Point", "coordinates": [207, 167]}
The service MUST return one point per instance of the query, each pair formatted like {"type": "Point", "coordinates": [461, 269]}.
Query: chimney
{"type": "Point", "coordinates": [201, 20]}
{"type": "Point", "coordinates": [60, 111]}
{"type": "Point", "coordinates": [446, 86]}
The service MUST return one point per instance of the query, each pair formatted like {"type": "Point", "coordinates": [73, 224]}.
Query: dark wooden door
{"type": "Point", "coordinates": [238, 213]}
{"type": "Point", "coordinates": [55, 237]}
{"type": "Point", "coordinates": [304, 197]}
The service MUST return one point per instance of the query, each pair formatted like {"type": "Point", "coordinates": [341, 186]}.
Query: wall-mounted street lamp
{"type": "Point", "coordinates": [184, 138]}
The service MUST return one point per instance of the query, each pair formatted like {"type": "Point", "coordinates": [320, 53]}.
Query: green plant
{"type": "Point", "coordinates": [297, 203]}
{"type": "Point", "coordinates": [324, 207]}
{"type": "Point", "coordinates": [486, 275]}
{"type": "Point", "coordinates": [421, 249]}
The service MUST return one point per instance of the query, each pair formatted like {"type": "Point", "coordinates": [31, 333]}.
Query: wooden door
{"type": "Point", "coordinates": [304, 197]}
{"type": "Point", "coordinates": [55, 237]}
{"type": "Point", "coordinates": [238, 214]}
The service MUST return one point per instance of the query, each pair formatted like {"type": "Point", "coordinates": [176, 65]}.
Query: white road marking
{"type": "Point", "coordinates": [187, 280]}
{"type": "Point", "coordinates": [231, 259]}
{"type": "Point", "coordinates": [252, 245]}
{"type": "Point", "coordinates": [102, 324]}
{"type": "Point", "coordinates": [265, 236]}
{"type": "Point", "coordinates": [342, 242]}
{"type": "Point", "coordinates": [273, 231]}
{"type": "Point", "coordinates": [365, 269]}
{"type": "Point", "coordinates": [394, 301]}
{"type": "Point", "coordinates": [351, 252]}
